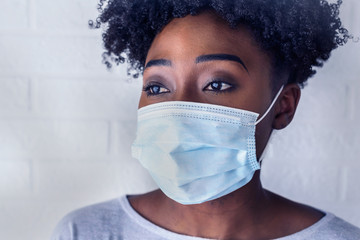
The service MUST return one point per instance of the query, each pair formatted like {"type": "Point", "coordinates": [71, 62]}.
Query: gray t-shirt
{"type": "Point", "coordinates": [117, 220]}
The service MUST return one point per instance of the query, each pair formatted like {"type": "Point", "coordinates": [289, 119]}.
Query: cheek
{"type": "Point", "coordinates": [262, 134]}
{"type": "Point", "coordinates": [142, 100]}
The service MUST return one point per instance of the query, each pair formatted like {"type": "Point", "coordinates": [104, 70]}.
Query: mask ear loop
{"type": "Point", "coordinates": [271, 105]}
{"type": "Point", "coordinates": [266, 149]}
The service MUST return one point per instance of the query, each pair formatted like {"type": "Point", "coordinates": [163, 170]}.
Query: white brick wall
{"type": "Point", "coordinates": [66, 124]}
{"type": "Point", "coordinates": [14, 14]}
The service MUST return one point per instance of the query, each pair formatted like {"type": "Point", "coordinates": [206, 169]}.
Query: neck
{"type": "Point", "coordinates": [236, 213]}
{"type": "Point", "coordinates": [247, 213]}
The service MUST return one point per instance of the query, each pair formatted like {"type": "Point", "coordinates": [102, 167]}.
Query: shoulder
{"type": "Point", "coordinates": [314, 223]}
{"type": "Point", "coordinates": [91, 222]}
{"type": "Point", "coordinates": [329, 227]}
{"type": "Point", "coordinates": [337, 228]}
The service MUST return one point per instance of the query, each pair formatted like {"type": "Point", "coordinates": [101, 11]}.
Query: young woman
{"type": "Point", "coordinates": [218, 77]}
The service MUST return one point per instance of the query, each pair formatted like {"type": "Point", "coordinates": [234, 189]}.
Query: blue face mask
{"type": "Point", "coordinates": [197, 152]}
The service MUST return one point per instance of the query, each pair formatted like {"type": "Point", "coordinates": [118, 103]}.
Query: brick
{"type": "Point", "coordinates": [140, 179]}
{"type": "Point", "coordinates": [310, 184]}
{"type": "Point", "coordinates": [136, 179]}
{"type": "Point", "coordinates": [14, 215]}
{"type": "Point", "coordinates": [355, 27]}
{"type": "Point", "coordinates": [15, 178]}
{"type": "Point", "coordinates": [323, 100]}
{"type": "Point", "coordinates": [342, 66]}
{"type": "Point", "coordinates": [52, 138]}
{"type": "Point", "coordinates": [349, 16]}
{"type": "Point", "coordinates": [301, 142]}
{"type": "Point", "coordinates": [78, 180]}
{"type": "Point", "coordinates": [95, 99]}
{"type": "Point", "coordinates": [355, 102]}
{"type": "Point", "coordinates": [65, 15]}
{"type": "Point", "coordinates": [124, 134]}
{"type": "Point", "coordinates": [352, 193]}
{"type": "Point", "coordinates": [69, 179]}
{"type": "Point", "coordinates": [53, 55]}
{"type": "Point", "coordinates": [13, 14]}
{"type": "Point", "coordinates": [14, 96]}
{"type": "Point", "coordinates": [35, 217]}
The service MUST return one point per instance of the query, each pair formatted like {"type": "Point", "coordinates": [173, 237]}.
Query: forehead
{"type": "Point", "coordinates": [207, 33]}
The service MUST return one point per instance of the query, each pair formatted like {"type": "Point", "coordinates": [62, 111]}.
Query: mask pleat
{"type": "Point", "coordinates": [194, 151]}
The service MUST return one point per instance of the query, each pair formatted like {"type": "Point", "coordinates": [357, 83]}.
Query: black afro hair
{"type": "Point", "coordinates": [298, 34]}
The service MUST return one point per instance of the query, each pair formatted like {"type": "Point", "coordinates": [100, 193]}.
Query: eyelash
{"type": "Point", "coordinates": [147, 88]}
{"type": "Point", "coordinates": [220, 82]}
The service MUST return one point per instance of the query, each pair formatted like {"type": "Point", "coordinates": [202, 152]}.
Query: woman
{"type": "Point", "coordinates": [218, 77]}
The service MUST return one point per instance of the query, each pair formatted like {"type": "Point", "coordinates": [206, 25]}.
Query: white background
{"type": "Point", "coordinates": [66, 123]}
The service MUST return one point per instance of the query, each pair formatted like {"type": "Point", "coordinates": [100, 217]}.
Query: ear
{"type": "Point", "coordinates": [286, 106]}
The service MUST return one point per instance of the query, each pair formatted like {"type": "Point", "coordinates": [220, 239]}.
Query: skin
{"type": "Point", "coordinates": [250, 212]}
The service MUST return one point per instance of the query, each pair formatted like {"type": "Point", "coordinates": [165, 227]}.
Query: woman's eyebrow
{"type": "Point", "coordinates": [199, 59]}
{"type": "Point", "coordinates": [220, 57]}
{"type": "Point", "coordinates": [158, 62]}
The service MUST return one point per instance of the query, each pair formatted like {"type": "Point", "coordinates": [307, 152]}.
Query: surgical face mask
{"type": "Point", "coordinates": [197, 152]}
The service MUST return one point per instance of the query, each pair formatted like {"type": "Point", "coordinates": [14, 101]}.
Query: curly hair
{"type": "Point", "coordinates": [299, 35]}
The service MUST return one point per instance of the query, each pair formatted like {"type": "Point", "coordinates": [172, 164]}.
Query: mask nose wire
{"type": "Point", "coordinates": [271, 105]}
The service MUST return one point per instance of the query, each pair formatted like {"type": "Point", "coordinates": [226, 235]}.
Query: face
{"type": "Point", "coordinates": [201, 59]}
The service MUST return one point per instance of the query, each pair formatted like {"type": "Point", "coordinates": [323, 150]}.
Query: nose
{"type": "Point", "coordinates": [189, 92]}
{"type": "Point", "coordinates": [187, 97]}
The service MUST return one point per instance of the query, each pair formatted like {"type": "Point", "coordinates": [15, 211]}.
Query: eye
{"type": "Point", "coordinates": [217, 86]}
{"type": "Point", "coordinates": [155, 89]}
